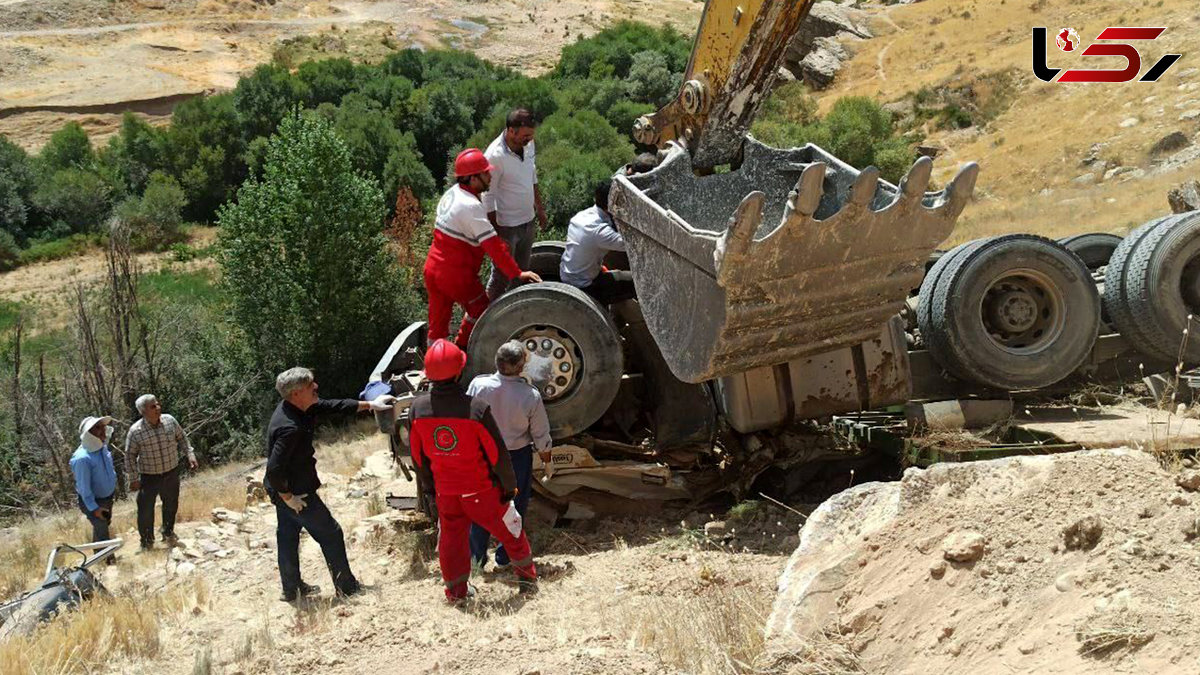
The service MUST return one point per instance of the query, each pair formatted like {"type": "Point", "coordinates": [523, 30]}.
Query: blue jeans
{"type": "Point", "coordinates": [322, 527]}
{"type": "Point", "coordinates": [522, 461]}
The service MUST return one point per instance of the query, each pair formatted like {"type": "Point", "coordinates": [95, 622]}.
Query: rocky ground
{"type": "Point", "coordinates": [1078, 563]}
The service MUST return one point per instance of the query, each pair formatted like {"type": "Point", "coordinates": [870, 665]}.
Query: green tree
{"type": "Point", "coordinates": [13, 212]}
{"type": "Point", "coordinates": [155, 218]}
{"type": "Point", "coordinates": [68, 148]}
{"type": "Point", "coordinates": [441, 123]}
{"type": "Point", "coordinates": [76, 200]}
{"type": "Point", "coordinates": [327, 81]}
{"type": "Point", "coordinates": [134, 153]}
{"type": "Point", "coordinates": [569, 188]}
{"type": "Point", "coordinates": [610, 52]}
{"type": "Point", "coordinates": [205, 149]}
{"type": "Point", "coordinates": [650, 80]}
{"type": "Point", "coordinates": [263, 97]}
{"type": "Point", "coordinates": [305, 262]}
{"type": "Point", "coordinates": [378, 148]}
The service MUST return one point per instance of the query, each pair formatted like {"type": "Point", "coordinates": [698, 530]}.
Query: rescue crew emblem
{"type": "Point", "coordinates": [445, 439]}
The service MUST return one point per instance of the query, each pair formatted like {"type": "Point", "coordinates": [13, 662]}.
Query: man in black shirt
{"type": "Point", "coordinates": [292, 481]}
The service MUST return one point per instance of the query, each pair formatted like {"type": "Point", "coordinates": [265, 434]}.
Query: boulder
{"type": "Point", "coordinates": [817, 52]}
{"type": "Point", "coordinates": [963, 547]}
{"type": "Point", "coordinates": [1184, 198]}
{"type": "Point", "coordinates": [1176, 140]}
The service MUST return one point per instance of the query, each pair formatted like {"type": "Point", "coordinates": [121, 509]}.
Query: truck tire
{"type": "Point", "coordinates": [575, 345]}
{"type": "Point", "coordinates": [1160, 281]}
{"type": "Point", "coordinates": [1116, 304]}
{"type": "Point", "coordinates": [929, 284]}
{"type": "Point", "coordinates": [545, 258]}
{"type": "Point", "coordinates": [1014, 312]}
{"type": "Point", "coordinates": [1094, 249]}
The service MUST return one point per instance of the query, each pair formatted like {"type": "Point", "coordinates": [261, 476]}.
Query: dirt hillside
{"type": "Point", "coordinates": [1056, 158]}
{"type": "Point", "coordinates": [90, 60]}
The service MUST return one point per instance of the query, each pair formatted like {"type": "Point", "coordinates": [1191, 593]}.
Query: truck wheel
{"type": "Point", "coordinates": [545, 259]}
{"type": "Point", "coordinates": [1014, 312]}
{"type": "Point", "coordinates": [575, 350]}
{"type": "Point", "coordinates": [929, 284]}
{"type": "Point", "coordinates": [1094, 249]}
{"type": "Point", "coordinates": [1116, 304]}
{"type": "Point", "coordinates": [1160, 281]}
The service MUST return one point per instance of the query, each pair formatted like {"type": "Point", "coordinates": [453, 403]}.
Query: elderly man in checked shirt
{"type": "Point", "coordinates": [519, 413]}
{"type": "Point", "coordinates": [153, 449]}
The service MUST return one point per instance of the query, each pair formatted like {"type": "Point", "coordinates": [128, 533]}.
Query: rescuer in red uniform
{"type": "Point", "coordinates": [462, 235]}
{"type": "Point", "coordinates": [454, 437]}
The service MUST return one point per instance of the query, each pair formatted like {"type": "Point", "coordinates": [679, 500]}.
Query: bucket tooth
{"type": "Point", "coordinates": [959, 192]}
{"type": "Point", "coordinates": [914, 184]}
{"type": "Point", "coordinates": [806, 198]}
{"type": "Point", "coordinates": [732, 246]}
{"type": "Point", "coordinates": [864, 187]}
{"type": "Point", "coordinates": [816, 256]}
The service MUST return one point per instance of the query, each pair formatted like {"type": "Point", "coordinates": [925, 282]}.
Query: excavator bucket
{"type": "Point", "coordinates": [794, 253]}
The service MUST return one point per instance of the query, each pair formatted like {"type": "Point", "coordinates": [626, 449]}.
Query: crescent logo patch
{"type": "Point", "coordinates": [445, 439]}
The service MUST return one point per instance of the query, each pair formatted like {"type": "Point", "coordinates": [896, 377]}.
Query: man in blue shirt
{"type": "Point", "coordinates": [95, 476]}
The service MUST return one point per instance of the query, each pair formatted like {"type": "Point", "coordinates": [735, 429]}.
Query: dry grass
{"type": "Point", "coordinates": [1040, 140]}
{"type": "Point", "coordinates": [1102, 634]}
{"type": "Point", "coordinates": [719, 633]}
{"type": "Point", "coordinates": [826, 654]}
{"type": "Point", "coordinates": [87, 639]}
{"type": "Point", "coordinates": [342, 450]}
{"type": "Point", "coordinates": [199, 496]}
{"type": "Point", "coordinates": [23, 564]}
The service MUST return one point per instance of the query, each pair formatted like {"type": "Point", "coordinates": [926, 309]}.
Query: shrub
{"type": "Point", "coordinates": [134, 153]}
{"type": "Point", "coordinates": [263, 98]}
{"type": "Point", "coordinates": [205, 151]}
{"type": "Point", "coordinates": [154, 219]}
{"type": "Point", "coordinates": [68, 148]}
{"type": "Point", "coordinates": [77, 198]}
{"type": "Point", "coordinates": [13, 215]}
{"type": "Point", "coordinates": [10, 253]}
{"type": "Point", "coordinates": [650, 79]}
{"type": "Point", "coordinates": [305, 262]}
{"type": "Point", "coordinates": [610, 52]}
{"type": "Point", "coordinates": [569, 188]}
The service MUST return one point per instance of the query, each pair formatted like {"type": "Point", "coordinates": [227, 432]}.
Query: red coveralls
{"type": "Point", "coordinates": [462, 235]}
{"type": "Point", "coordinates": [454, 436]}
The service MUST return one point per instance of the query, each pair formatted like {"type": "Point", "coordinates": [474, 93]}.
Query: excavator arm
{"type": "Point", "coordinates": [735, 60]}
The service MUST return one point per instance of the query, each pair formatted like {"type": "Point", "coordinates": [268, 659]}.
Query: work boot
{"type": "Point", "coordinates": [356, 589]}
{"type": "Point", "coordinates": [304, 591]}
{"type": "Point", "coordinates": [170, 540]}
{"type": "Point", "coordinates": [527, 586]}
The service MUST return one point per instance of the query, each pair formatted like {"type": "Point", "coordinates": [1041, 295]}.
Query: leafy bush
{"type": "Point", "coordinates": [10, 253]}
{"type": "Point", "coordinates": [650, 79]}
{"type": "Point", "coordinates": [134, 153]}
{"type": "Point", "coordinates": [857, 130]}
{"type": "Point", "coordinates": [610, 53]}
{"type": "Point", "coordinates": [569, 189]}
{"type": "Point", "coordinates": [13, 216]}
{"type": "Point", "coordinates": [205, 151]}
{"type": "Point", "coordinates": [68, 148]}
{"type": "Point", "coordinates": [76, 198]}
{"type": "Point", "coordinates": [264, 97]}
{"type": "Point", "coordinates": [57, 249]}
{"type": "Point", "coordinates": [305, 262]}
{"type": "Point", "coordinates": [155, 219]}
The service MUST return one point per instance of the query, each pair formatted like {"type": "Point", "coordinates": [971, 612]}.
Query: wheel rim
{"type": "Point", "coordinates": [555, 362]}
{"type": "Point", "coordinates": [1023, 311]}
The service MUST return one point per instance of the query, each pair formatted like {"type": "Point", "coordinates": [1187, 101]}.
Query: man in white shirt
{"type": "Point", "coordinates": [517, 408]}
{"type": "Point", "coordinates": [591, 234]}
{"type": "Point", "coordinates": [513, 199]}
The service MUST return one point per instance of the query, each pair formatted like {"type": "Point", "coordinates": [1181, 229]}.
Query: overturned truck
{"type": "Point", "coordinates": [776, 286]}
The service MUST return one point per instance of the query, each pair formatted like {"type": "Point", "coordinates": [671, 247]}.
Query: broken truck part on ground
{"type": "Point", "coordinates": [780, 286]}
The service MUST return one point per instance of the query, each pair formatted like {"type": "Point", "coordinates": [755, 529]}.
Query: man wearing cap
{"type": "Point", "coordinates": [521, 417]}
{"type": "Point", "coordinates": [513, 200]}
{"type": "Point", "coordinates": [153, 448]}
{"type": "Point", "coordinates": [95, 475]}
{"type": "Point", "coordinates": [462, 236]}
{"type": "Point", "coordinates": [292, 482]}
{"type": "Point", "coordinates": [455, 438]}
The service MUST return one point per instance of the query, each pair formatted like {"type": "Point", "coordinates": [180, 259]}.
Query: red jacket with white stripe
{"type": "Point", "coordinates": [454, 435]}
{"type": "Point", "coordinates": [462, 235]}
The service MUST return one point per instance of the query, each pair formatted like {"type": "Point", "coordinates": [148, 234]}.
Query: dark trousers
{"type": "Point", "coordinates": [155, 485]}
{"type": "Point", "coordinates": [99, 525]}
{"type": "Point", "coordinates": [611, 287]}
{"type": "Point", "coordinates": [321, 526]}
{"type": "Point", "coordinates": [520, 244]}
{"type": "Point", "coordinates": [522, 461]}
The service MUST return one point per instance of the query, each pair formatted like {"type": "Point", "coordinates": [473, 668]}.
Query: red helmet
{"type": "Point", "coordinates": [470, 162]}
{"type": "Point", "coordinates": [444, 361]}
